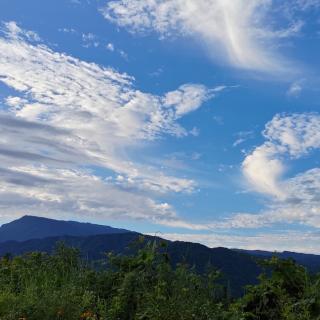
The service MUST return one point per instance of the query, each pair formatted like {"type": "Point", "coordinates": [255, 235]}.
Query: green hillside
{"type": "Point", "coordinates": [145, 286]}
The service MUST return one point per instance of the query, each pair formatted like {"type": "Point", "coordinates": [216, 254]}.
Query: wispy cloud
{"type": "Point", "coordinates": [90, 40]}
{"type": "Point", "coordinates": [13, 31]}
{"type": "Point", "coordinates": [307, 242]}
{"type": "Point", "coordinates": [241, 32]}
{"type": "Point", "coordinates": [70, 118]}
{"type": "Point", "coordinates": [110, 47]}
{"type": "Point", "coordinates": [242, 136]}
{"type": "Point", "coordinates": [295, 89]}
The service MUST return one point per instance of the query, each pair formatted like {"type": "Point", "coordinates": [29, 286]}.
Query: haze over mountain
{"type": "Point", "coordinates": [31, 227]}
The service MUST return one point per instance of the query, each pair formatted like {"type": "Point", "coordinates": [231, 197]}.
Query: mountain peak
{"type": "Point", "coordinates": [33, 227]}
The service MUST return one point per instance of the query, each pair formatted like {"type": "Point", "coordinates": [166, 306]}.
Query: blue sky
{"type": "Point", "coordinates": [195, 119]}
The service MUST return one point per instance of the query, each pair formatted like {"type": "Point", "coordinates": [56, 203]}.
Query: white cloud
{"type": "Point", "coordinates": [297, 134]}
{"type": "Point", "coordinates": [195, 132]}
{"type": "Point", "coordinates": [294, 135]}
{"type": "Point", "coordinates": [14, 31]}
{"type": "Point", "coordinates": [157, 73]}
{"type": "Point", "coordinates": [123, 54]}
{"type": "Point", "coordinates": [90, 40]}
{"type": "Point", "coordinates": [307, 242]}
{"type": "Point", "coordinates": [68, 30]}
{"type": "Point", "coordinates": [110, 46]}
{"type": "Point", "coordinates": [242, 136]}
{"type": "Point", "coordinates": [243, 32]}
{"type": "Point", "coordinates": [292, 199]}
{"type": "Point", "coordinates": [50, 191]}
{"type": "Point", "coordinates": [294, 90]}
{"type": "Point", "coordinates": [188, 98]}
{"type": "Point", "coordinates": [68, 115]}
{"type": "Point", "coordinates": [263, 170]}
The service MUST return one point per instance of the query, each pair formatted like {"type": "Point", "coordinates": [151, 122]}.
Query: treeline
{"type": "Point", "coordinates": [145, 286]}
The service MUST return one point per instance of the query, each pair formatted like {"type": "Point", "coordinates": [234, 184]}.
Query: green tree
{"type": "Point", "coordinates": [285, 292]}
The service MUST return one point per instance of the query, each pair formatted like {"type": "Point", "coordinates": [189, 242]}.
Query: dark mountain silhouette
{"type": "Point", "coordinates": [239, 269]}
{"type": "Point", "coordinates": [310, 261]}
{"type": "Point", "coordinates": [31, 227]}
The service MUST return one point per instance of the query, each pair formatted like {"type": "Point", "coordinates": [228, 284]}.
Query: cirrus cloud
{"type": "Point", "coordinates": [243, 32]}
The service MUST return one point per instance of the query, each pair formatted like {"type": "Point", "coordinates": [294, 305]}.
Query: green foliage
{"type": "Point", "coordinates": [39, 286]}
{"type": "Point", "coordinates": [288, 294]}
{"type": "Point", "coordinates": [145, 286]}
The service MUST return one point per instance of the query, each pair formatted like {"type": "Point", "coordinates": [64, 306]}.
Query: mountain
{"type": "Point", "coordinates": [310, 261]}
{"type": "Point", "coordinates": [31, 227]}
{"type": "Point", "coordinates": [238, 269]}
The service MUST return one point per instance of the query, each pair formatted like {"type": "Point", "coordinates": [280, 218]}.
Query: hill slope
{"type": "Point", "coordinates": [310, 261]}
{"type": "Point", "coordinates": [31, 227]}
{"type": "Point", "coordinates": [41, 234]}
{"type": "Point", "coordinates": [239, 269]}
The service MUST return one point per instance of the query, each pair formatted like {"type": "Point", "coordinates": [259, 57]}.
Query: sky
{"type": "Point", "coordinates": [194, 120]}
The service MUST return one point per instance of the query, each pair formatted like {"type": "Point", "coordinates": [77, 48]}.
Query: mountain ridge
{"type": "Point", "coordinates": [309, 260]}
{"type": "Point", "coordinates": [33, 227]}
{"type": "Point", "coordinates": [240, 267]}
{"type": "Point", "coordinates": [198, 256]}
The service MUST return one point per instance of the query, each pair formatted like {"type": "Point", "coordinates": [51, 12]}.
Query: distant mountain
{"type": "Point", "coordinates": [239, 269]}
{"type": "Point", "coordinates": [310, 261]}
{"type": "Point", "coordinates": [31, 227]}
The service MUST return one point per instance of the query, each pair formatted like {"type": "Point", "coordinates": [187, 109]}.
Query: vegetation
{"type": "Point", "coordinates": [145, 286]}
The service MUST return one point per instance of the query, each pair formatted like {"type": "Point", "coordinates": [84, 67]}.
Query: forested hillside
{"type": "Point", "coordinates": [145, 285]}
{"type": "Point", "coordinates": [239, 269]}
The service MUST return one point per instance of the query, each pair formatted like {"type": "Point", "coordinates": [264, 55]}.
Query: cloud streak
{"type": "Point", "coordinates": [241, 32]}
{"type": "Point", "coordinates": [294, 241]}
{"type": "Point", "coordinates": [70, 118]}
